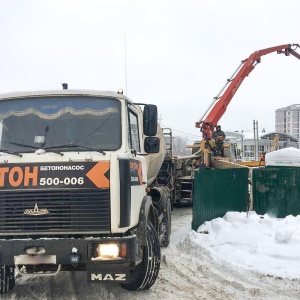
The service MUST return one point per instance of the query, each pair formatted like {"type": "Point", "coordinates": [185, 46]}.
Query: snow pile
{"type": "Point", "coordinates": [259, 243]}
{"type": "Point", "coordinates": [289, 157]}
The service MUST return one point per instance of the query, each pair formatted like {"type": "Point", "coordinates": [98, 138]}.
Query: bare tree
{"type": "Point", "coordinates": [179, 146]}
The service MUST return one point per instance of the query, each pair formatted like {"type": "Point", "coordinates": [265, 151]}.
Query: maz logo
{"type": "Point", "coordinates": [115, 277]}
{"type": "Point", "coordinates": [36, 211]}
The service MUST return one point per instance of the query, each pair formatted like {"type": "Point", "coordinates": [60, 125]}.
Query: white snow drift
{"type": "Point", "coordinates": [260, 243]}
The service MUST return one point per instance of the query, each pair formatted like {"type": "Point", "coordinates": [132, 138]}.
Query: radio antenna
{"type": "Point", "coordinates": [126, 93]}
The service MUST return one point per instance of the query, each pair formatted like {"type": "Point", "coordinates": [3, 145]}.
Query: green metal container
{"type": "Point", "coordinates": [217, 191]}
{"type": "Point", "coordinates": [276, 191]}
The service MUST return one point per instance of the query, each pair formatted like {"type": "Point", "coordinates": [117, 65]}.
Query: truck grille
{"type": "Point", "coordinates": [70, 212]}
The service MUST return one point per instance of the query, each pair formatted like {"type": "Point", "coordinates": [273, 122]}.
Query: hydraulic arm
{"type": "Point", "coordinates": [218, 107]}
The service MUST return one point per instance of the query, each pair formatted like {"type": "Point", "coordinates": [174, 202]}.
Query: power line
{"type": "Point", "coordinates": [189, 134]}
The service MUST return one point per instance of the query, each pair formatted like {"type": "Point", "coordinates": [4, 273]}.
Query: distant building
{"type": "Point", "coordinates": [287, 120]}
{"type": "Point", "coordinates": [247, 144]}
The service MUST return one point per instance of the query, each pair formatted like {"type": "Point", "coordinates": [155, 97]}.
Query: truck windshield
{"type": "Point", "coordinates": [70, 123]}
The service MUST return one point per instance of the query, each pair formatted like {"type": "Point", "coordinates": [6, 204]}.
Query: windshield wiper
{"type": "Point", "coordinates": [57, 147]}
{"type": "Point", "coordinates": [11, 152]}
{"type": "Point", "coordinates": [74, 146]}
{"type": "Point", "coordinates": [24, 145]}
{"type": "Point", "coordinates": [34, 147]}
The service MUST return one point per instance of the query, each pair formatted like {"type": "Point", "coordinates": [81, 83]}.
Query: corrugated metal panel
{"type": "Point", "coordinates": [276, 191]}
{"type": "Point", "coordinates": [217, 192]}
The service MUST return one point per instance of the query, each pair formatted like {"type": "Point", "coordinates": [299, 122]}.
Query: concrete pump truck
{"type": "Point", "coordinates": [213, 114]}
{"type": "Point", "coordinates": [76, 187]}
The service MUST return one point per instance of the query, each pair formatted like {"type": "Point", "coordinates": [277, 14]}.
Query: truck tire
{"type": "Point", "coordinates": [7, 278]}
{"type": "Point", "coordinates": [145, 274]}
{"type": "Point", "coordinates": [167, 225]}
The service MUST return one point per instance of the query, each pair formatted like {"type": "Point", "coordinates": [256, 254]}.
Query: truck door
{"type": "Point", "coordinates": [136, 161]}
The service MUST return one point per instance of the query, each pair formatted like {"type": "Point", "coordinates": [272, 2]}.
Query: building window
{"type": "Point", "coordinates": [261, 148]}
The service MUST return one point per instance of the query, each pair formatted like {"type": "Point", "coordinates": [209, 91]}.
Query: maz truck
{"type": "Point", "coordinates": [77, 192]}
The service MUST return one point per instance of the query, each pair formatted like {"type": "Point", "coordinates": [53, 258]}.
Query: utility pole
{"type": "Point", "coordinates": [255, 140]}
{"type": "Point", "coordinates": [242, 137]}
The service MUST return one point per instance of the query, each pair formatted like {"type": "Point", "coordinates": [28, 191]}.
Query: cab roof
{"type": "Point", "coordinates": [62, 92]}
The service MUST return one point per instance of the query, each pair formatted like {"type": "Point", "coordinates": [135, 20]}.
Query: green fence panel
{"type": "Point", "coordinates": [276, 191]}
{"type": "Point", "coordinates": [217, 191]}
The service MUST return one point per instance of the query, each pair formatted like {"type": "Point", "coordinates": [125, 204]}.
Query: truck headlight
{"type": "Point", "coordinates": [109, 251]}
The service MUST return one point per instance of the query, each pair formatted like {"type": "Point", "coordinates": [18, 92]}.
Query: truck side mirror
{"type": "Point", "coordinates": [152, 144]}
{"type": "Point", "coordinates": [150, 120]}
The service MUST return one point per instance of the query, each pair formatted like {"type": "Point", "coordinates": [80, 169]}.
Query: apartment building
{"type": "Point", "coordinates": [287, 120]}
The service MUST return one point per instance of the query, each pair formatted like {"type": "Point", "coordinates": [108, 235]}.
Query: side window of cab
{"type": "Point", "coordinates": [133, 132]}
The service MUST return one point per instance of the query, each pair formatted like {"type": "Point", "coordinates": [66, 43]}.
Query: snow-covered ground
{"type": "Point", "coordinates": [259, 243]}
{"type": "Point", "coordinates": [239, 256]}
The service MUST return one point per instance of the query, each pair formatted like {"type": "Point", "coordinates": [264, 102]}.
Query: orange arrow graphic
{"type": "Point", "coordinates": [96, 174]}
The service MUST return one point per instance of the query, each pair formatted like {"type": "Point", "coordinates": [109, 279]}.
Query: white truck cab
{"type": "Point", "coordinates": [76, 187]}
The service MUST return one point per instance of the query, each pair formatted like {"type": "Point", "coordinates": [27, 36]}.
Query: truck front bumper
{"type": "Point", "coordinates": [76, 253]}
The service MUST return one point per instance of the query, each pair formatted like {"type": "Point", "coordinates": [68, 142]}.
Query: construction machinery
{"type": "Point", "coordinates": [213, 114]}
{"type": "Point", "coordinates": [177, 173]}
{"type": "Point", "coordinates": [231, 151]}
{"type": "Point", "coordinates": [275, 142]}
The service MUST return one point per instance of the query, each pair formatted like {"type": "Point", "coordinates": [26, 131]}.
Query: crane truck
{"type": "Point", "coordinates": [213, 114]}
{"type": "Point", "coordinates": [77, 187]}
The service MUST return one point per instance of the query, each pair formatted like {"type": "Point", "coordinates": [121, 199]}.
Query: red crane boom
{"type": "Point", "coordinates": [216, 110]}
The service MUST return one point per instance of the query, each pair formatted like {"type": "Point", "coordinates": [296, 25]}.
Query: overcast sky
{"type": "Point", "coordinates": [175, 54]}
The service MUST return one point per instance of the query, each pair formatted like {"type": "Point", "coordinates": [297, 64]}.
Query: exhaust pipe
{"type": "Point", "coordinates": [65, 86]}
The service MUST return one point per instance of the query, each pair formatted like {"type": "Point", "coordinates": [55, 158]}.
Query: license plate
{"type": "Point", "coordinates": [35, 259]}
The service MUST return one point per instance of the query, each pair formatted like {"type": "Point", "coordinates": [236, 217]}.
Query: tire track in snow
{"type": "Point", "coordinates": [192, 278]}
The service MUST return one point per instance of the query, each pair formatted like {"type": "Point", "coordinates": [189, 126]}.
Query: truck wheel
{"type": "Point", "coordinates": [145, 274]}
{"type": "Point", "coordinates": [7, 278]}
{"type": "Point", "coordinates": [167, 225]}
